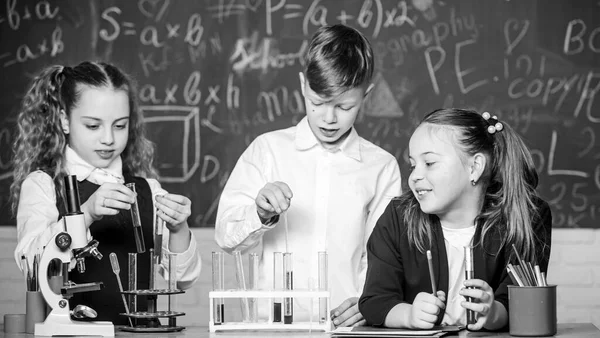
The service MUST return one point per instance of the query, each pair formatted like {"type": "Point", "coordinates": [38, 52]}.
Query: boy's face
{"type": "Point", "coordinates": [99, 125]}
{"type": "Point", "coordinates": [331, 118]}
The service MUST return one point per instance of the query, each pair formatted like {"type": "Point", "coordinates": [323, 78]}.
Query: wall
{"type": "Point", "coordinates": [574, 266]}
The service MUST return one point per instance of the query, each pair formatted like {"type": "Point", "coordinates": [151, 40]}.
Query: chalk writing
{"type": "Point", "coordinates": [576, 40]}
{"type": "Point", "coordinates": [254, 53]}
{"type": "Point", "coordinates": [27, 52]}
{"type": "Point", "coordinates": [43, 10]}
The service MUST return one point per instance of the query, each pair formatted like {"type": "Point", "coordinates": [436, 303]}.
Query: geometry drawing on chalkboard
{"type": "Point", "coordinates": [381, 101]}
{"type": "Point", "coordinates": [176, 132]}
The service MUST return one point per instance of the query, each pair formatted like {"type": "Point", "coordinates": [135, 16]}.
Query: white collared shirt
{"type": "Point", "coordinates": [337, 198]}
{"type": "Point", "coordinates": [37, 214]}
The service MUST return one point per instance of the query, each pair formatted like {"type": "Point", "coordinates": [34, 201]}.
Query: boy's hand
{"type": "Point", "coordinates": [273, 199]}
{"type": "Point", "coordinates": [424, 310]}
{"type": "Point", "coordinates": [347, 314]}
{"type": "Point", "coordinates": [482, 301]}
{"type": "Point", "coordinates": [174, 209]}
{"type": "Point", "coordinates": [109, 199]}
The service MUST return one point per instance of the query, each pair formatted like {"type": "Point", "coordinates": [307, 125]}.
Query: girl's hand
{"type": "Point", "coordinates": [175, 210]}
{"type": "Point", "coordinates": [482, 301]}
{"type": "Point", "coordinates": [109, 199]}
{"type": "Point", "coordinates": [424, 310]}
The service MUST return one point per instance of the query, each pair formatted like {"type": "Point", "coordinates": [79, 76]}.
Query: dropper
{"type": "Point", "coordinates": [114, 262]}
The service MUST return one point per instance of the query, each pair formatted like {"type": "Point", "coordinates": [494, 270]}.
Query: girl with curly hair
{"type": "Point", "coordinates": [85, 121]}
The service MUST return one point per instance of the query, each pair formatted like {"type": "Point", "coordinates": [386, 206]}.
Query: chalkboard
{"type": "Point", "coordinates": [214, 74]}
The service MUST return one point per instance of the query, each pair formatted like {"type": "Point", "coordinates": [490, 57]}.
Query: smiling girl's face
{"type": "Point", "coordinates": [440, 176]}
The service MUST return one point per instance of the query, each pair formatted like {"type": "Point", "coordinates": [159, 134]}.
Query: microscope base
{"type": "Point", "coordinates": [58, 325]}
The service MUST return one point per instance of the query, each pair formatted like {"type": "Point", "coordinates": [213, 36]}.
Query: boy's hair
{"type": "Point", "coordinates": [41, 143]}
{"type": "Point", "coordinates": [339, 58]}
{"type": "Point", "coordinates": [509, 180]}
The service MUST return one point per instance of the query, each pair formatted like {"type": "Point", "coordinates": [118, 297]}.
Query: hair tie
{"type": "Point", "coordinates": [494, 124]}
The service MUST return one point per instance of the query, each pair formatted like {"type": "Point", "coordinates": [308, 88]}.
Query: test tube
{"type": "Point", "coordinates": [323, 285]}
{"type": "Point", "coordinates": [288, 302]}
{"type": "Point", "coordinates": [241, 281]}
{"type": "Point", "coordinates": [137, 224]}
{"type": "Point", "coordinates": [253, 274]}
{"type": "Point", "coordinates": [469, 274]}
{"type": "Point", "coordinates": [277, 284]}
{"type": "Point", "coordinates": [132, 265]}
{"type": "Point", "coordinates": [172, 284]}
{"type": "Point", "coordinates": [159, 225]}
{"type": "Point", "coordinates": [218, 285]}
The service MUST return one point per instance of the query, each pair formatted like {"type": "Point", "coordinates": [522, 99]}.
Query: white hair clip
{"type": "Point", "coordinates": [494, 124]}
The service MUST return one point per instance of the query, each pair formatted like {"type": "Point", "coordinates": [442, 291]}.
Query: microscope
{"type": "Point", "coordinates": [70, 244]}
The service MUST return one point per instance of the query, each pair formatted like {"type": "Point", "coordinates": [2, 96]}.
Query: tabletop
{"type": "Point", "coordinates": [564, 330]}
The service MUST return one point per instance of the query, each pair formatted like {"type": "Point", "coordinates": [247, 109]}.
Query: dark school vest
{"type": "Point", "coordinates": [115, 234]}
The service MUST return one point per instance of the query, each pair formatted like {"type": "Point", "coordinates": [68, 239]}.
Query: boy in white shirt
{"type": "Point", "coordinates": [327, 183]}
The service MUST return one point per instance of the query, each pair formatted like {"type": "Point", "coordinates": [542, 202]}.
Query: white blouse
{"type": "Point", "coordinates": [38, 218]}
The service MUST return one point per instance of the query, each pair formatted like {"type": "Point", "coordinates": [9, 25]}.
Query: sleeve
{"type": "Point", "coordinates": [189, 262]}
{"type": "Point", "coordinates": [383, 285]}
{"type": "Point", "coordinates": [238, 226]}
{"type": "Point", "coordinates": [37, 216]}
{"type": "Point", "coordinates": [389, 185]}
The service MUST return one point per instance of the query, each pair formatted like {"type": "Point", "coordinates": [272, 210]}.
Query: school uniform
{"type": "Point", "coordinates": [337, 197]}
{"type": "Point", "coordinates": [398, 271]}
{"type": "Point", "coordinates": [39, 218]}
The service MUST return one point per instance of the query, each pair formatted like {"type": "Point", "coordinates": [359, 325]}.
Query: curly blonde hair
{"type": "Point", "coordinates": [41, 142]}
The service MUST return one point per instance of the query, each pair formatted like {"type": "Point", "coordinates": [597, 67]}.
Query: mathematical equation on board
{"type": "Point", "coordinates": [426, 53]}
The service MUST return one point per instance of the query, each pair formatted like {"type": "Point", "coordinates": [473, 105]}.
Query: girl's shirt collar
{"type": "Point", "coordinates": [85, 171]}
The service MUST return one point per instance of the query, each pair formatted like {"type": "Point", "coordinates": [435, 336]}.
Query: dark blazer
{"type": "Point", "coordinates": [397, 271]}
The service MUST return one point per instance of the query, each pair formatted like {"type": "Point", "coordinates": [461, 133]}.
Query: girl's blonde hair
{"type": "Point", "coordinates": [510, 180]}
{"type": "Point", "coordinates": [41, 142]}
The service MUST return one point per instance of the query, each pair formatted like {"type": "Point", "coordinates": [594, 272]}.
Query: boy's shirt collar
{"type": "Point", "coordinates": [85, 171]}
{"type": "Point", "coordinates": [306, 139]}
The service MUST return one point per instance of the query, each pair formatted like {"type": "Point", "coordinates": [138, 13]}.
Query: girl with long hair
{"type": "Point", "coordinates": [472, 184]}
{"type": "Point", "coordinates": [85, 121]}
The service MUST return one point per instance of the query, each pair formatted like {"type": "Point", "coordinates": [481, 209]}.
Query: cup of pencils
{"type": "Point", "coordinates": [35, 305]}
{"type": "Point", "coordinates": [531, 301]}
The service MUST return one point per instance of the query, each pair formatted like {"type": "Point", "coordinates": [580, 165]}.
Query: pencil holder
{"type": "Point", "coordinates": [35, 310]}
{"type": "Point", "coordinates": [532, 310]}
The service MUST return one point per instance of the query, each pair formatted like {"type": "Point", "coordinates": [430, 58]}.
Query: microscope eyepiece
{"type": "Point", "coordinates": [73, 204]}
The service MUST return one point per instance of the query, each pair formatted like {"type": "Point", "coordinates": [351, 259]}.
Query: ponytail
{"type": "Point", "coordinates": [512, 184]}
{"type": "Point", "coordinates": [40, 140]}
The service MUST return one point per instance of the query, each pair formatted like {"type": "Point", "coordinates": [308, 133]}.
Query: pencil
{"type": "Point", "coordinates": [431, 274]}
{"type": "Point", "coordinates": [513, 275]}
{"type": "Point", "coordinates": [530, 279]}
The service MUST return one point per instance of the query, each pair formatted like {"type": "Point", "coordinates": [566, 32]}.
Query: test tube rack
{"type": "Point", "coordinates": [269, 325]}
{"type": "Point", "coordinates": [152, 314]}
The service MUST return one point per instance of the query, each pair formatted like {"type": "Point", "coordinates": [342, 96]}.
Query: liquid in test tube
{"type": "Point", "coordinates": [323, 285]}
{"type": "Point", "coordinates": [277, 284]}
{"type": "Point", "coordinates": [253, 276]}
{"type": "Point", "coordinates": [218, 285]}
{"type": "Point", "coordinates": [137, 224]}
{"type": "Point", "coordinates": [288, 302]}
{"type": "Point", "coordinates": [469, 274]}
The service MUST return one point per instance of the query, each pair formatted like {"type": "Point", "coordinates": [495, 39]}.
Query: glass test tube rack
{"type": "Point", "coordinates": [152, 315]}
{"type": "Point", "coordinates": [270, 325]}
